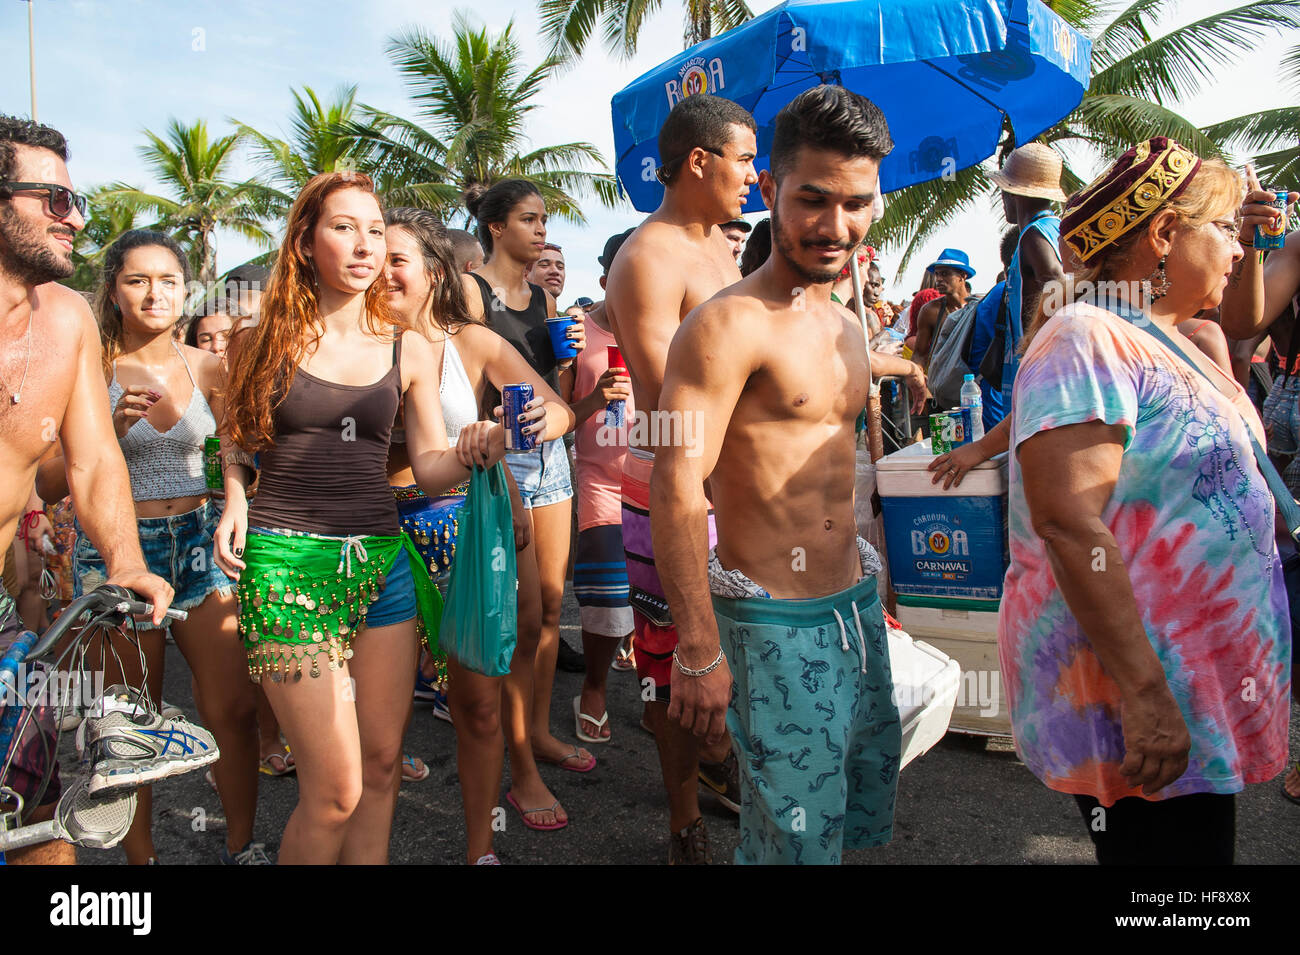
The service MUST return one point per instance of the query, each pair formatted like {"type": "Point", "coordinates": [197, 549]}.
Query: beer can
{"type": "Point", "coordinates": [212, 463]}
{"type": "Point", "coordinates": [940, 433]}
{"type": "Point", "coordinates": [1267, 238]}
{"type": "Point", "coordinates": [614, 414]}
{"type": "Point", "coordinates": [513, 399]}
{"type": "Point", "coordinates": [614, 410]}
{"type": "Point", "coordinates": [966, 430]}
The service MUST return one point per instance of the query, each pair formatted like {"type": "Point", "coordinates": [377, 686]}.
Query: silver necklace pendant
{"type": "Point", "coordinates": [16, 398]}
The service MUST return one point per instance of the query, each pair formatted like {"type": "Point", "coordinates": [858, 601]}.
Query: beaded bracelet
{"type": "Point", "coordinates": [689, 672]}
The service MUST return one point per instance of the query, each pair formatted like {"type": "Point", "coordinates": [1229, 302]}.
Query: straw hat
{"type": "Point", "coordinates": [1032, 170]}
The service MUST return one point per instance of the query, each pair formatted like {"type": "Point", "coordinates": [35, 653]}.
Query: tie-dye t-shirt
{"type": "Point", "coordinates": [1193, 519]}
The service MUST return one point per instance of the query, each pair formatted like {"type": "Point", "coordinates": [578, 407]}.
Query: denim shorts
{"type": "Point", "coordinates": [542, 476]}
{"type": "Point", "coordinates": [178, 548]}
{"type": "Point", "coordinates": [396, 603]}
{"type": "Point", "coordinates": [1282, 416]}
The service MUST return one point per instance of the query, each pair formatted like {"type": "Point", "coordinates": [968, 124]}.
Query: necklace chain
{"type": "Point", "coordinates": [18, 395]}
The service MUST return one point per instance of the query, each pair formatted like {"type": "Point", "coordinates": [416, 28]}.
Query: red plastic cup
{"type": "Point", "coordinates": [615, 357]}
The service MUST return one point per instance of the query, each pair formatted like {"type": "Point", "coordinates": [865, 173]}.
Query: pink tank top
{"type": "Point", "coordinates": [600, 466]}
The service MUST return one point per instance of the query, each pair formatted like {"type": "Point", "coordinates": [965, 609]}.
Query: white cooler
{"type": "Point", "coordinates": [970, 638]}
{"type": "Point", "coordinates": [925, 689]}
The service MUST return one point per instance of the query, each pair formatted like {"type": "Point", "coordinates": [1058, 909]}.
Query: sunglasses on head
{"type": "Point", "coordinates": [664, 171]}
{"type": "Point", "coordinates": [61, 198]}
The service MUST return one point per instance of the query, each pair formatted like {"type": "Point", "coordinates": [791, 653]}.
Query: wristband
{"type": "Point", "coordinates": [233, 455]}
{"type": "Point", "coordinates": [689, 672]}
{"type": "Point", "coordinates": [28, 523]}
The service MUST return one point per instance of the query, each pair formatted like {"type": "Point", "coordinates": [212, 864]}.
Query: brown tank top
{"type": "Point", "coordinates": [327, 473]}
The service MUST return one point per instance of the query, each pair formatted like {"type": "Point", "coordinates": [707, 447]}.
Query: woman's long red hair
{"type": "Point", "coordinates": [268, 353]}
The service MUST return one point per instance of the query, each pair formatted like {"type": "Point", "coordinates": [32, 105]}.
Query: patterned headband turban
{"type": "Point", "coordinates": [1127, 194]}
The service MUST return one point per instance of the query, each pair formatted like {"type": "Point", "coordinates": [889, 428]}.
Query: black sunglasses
{"type": "Point", "coordinates": [62, 199]}
{"type": "Point", "coordinates": [664, 171]}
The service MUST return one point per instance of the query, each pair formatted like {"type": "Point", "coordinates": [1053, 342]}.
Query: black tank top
{"type": "Point", "coordinates": [525, 330]}
{"type": "Point", "coordinates": [327, 473]}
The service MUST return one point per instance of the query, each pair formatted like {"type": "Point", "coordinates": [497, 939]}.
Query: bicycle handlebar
{"type": "Point", "coordinates": [107, 598]}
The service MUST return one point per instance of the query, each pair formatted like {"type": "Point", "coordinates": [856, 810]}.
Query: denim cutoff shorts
{"type": "Point", "coordinates": [178, 548]}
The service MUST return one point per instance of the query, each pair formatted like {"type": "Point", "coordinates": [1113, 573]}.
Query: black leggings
{"type": "Point", "coordinates": [1199, 829]}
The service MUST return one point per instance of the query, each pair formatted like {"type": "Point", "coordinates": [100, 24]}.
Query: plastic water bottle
{"type": "Point", "coordinates": [972, 399]}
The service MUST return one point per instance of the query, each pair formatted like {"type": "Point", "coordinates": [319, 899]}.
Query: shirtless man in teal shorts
{"type": "Point", "coordinates": [775, 376]}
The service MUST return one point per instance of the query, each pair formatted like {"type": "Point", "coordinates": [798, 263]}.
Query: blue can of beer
{"type": "Point", "coordinates": [1273, 238]}
{"type": "Point", "coordinates": [614, 414]}
{"type": "Point", "coordinates": [513, 399]}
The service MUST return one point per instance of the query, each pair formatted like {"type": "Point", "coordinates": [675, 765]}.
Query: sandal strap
{"type": "Point", "coordinates": [551, 808]}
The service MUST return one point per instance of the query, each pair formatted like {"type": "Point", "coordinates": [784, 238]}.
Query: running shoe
{"type": "Point", "coordinates": [441, 709]}
{"type": "Point", "coordinates": [426, 691]}
{"type": "Point", "coordinates": [723, 780]}
{"type": "Point", "coordinates": [252, 854]}
{"type": "Point", "coordinates": [690, 846]}
{"type": "Point", "coordinates": [130, 745]}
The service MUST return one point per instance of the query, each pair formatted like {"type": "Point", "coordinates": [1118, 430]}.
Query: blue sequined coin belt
{"type": "Point", "coordinates": [433, 523]}
{"type": "Point", "coordinates": [303, 596]}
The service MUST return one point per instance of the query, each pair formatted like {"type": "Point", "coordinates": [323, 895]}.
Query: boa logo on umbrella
{"type": "Point", "coordinates": [697, 75]}
{"type": "Point", "coordinates": [1065, 42]}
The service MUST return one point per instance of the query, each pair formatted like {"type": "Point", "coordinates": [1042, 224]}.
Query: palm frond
{"type": "Point", "coordinates": [1176, 65]}
{"type": "Point", "coordinates": [1256, 131]}
{"type": "Point", "coordinates": [1122, 121]}
{"type": "Point", "coordinates": [623, 25]}
{"type": "Point", "coordinates": [568, 25]}
{"type": "Point", "coordinates": [915, 214]}
{"type": "Point", "coordinates": [1127, 32]}
{"type": "Point", "coordinates": [1278, 168]}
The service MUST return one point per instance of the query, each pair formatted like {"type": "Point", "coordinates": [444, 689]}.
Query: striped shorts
{"type": "Point", "coordinates": [600, 581]}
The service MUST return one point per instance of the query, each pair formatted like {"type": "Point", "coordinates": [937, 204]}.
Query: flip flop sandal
{"type": "Point", "coordinates": [578, 718]}
{"type": "Point", "coordinates": [417, 775]}
{"type": "Point", "coordinates": [1287, 795]}
{"type": "Point", "coordinates": [524, 813]}
{"type": "Point", "coordinates": [268, 767]}
{"type": "Point", "coordinates": [563, 760]}
{"type": "Point", "coordinates": [624, 660]}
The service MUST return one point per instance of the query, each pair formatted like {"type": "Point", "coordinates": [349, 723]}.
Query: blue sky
{"type": "Point", "coordinates": [108, 68]}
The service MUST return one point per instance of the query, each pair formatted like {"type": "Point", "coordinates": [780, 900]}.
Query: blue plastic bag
{"type": "Point", "coordinates": [478, 622]}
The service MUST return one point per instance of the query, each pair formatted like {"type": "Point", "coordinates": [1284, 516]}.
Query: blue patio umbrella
{"type": "Point", "coordinates": [944, 72]}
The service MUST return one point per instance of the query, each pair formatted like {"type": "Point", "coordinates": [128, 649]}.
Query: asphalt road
{"type": "Point", "coordinates": [969, 800]}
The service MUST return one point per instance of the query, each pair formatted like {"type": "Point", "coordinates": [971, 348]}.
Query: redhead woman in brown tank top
{"type": "Point", "coordinates": [314, 387]}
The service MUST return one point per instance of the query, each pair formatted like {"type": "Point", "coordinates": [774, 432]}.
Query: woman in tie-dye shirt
{"type": "Point", "coordinates": [1144, 632]}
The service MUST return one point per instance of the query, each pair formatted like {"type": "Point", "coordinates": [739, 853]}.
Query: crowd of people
{"type": "Point", "coordinates": [358, 387]}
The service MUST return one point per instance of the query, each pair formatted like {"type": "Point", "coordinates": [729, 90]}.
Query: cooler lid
{"type": "Point", "coordinates": [917, 457]}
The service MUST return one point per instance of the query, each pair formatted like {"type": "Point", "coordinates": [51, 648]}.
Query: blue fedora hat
{"type": "Point", "coordinates": [955, 259]}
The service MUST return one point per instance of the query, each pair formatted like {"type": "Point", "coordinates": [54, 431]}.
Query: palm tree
{"type": "Point", "coordinates": [568, 24]}
{"type": "Point", "coordinates": [1135, 73]}
{"type": "Point", "coordinates": [319, 141]}
{"type": "Point", "coordinates": [472, 105]}
{"type": "Point", "coordinates": [107, 219]}
{"type": "Point", "coordinates": [196, 171]}
{"type": "Point", "coordinates": [1272, 136]}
